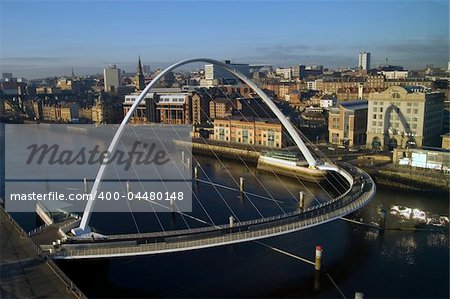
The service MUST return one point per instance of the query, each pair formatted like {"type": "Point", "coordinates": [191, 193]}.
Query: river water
{"type": "Point", "coordinates": [399, 262]}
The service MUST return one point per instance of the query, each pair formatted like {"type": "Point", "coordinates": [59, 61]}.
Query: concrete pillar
{"type": "Point", "coordinates": [196, 172]}
{"type": "Point", "coordinates": [359, 295]}
{"type": "Point", "coordinates": [382, 219]}
{"type": "Point", "coordinates": [301, 200]}
{"type": "Point", "coordinates": [86, 187]}
{"type": "Point", "coordinates": [318, 260]}
{"type": "Point", "coordinates": [231, 218]}
{"type": "Point", "coordinates": [128, 188]}
{"type": "Point", "coordinates": [172, 206]}
{"type": "Point", "coordinates": [241, 184]}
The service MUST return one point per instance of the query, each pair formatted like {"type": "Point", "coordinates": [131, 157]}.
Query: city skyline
{"type": "Point", "coordinates": [330, 33]}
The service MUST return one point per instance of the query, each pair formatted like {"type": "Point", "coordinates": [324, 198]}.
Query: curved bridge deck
{"type": "Point", "coordinates": [362, 191]}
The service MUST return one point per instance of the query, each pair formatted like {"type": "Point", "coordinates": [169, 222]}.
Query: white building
{"type": "Point", "coordinates": [364, 61]}
{"type": "Point", "coordinates": [214, 72]}
{"type": "Point", "coordinates": [285, 73]}
{"type": "Point", "coordinates": [311, 85]}
{"type": "Point", "coordinates": [327, 102]}
{"type": "Point", "coordinates": [391, 75]}
{"type": "Point", "coordinates": [111, 78]}
{"type": "Point", "coordinates": [409, 116]}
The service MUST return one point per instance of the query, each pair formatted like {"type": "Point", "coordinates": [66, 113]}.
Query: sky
{"type": "Point", "coordinates": [47, 38]}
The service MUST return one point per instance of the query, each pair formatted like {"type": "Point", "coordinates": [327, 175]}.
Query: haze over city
{"type": "Point", "coordinates": [47, 38]}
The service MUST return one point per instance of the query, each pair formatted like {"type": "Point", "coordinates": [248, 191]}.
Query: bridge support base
{"type": "Point", "coordinates": [79, 232]}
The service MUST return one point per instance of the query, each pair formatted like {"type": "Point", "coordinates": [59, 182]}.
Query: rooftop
{"type": "Point", "coordinates": [251, 119]}
{"type": "Point", "coordinates": [416, 88]}
{"type": "Point", "coordinates": [354, 105]}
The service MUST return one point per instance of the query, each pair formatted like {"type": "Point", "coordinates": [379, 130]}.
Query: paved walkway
{"type": "Point", "coordinates": [22, 273]}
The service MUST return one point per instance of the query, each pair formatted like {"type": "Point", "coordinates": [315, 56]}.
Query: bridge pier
{"type": "Point", "coordinates": [301, 200]}
{"type": "Point", "coordinates": [241, 184]}
{"type": "Point", "coordinates": [318, 259]}
{"type": "Point", "coordinates": [86, 187]}
{"type": "Point", "coordinates": [231, 219]}
{"type": "Point", "coordinates": [127, 184]}
{"type": "Point", "coordinates": [196, 172]}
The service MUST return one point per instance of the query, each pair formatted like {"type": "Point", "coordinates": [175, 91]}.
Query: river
{"type": "Point", "coordinates": [399, 262]}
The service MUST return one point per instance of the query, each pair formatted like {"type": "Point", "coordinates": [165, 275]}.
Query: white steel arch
{"type": "Point", "coordinates": [84, 228]}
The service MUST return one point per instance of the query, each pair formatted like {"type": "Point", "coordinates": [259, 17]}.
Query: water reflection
{"type": "Point", "coordinates": [405, 213]}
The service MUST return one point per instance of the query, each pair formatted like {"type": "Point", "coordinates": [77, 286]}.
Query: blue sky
{"type": "Point", "coordinates": [41, 38]}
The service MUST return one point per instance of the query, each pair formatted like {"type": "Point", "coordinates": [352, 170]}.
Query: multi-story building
{"type": "Point", "coordinates": [327, 101]}
{"type": "Point", "coordinates": [446, 141]}
{"type": "Point", "coordinates": [284, 91]}
{"type": "Point", "coordinates": [214, 72]}
{"type": "Point", "coordinates": [404, 117]}
{"type": "Point", "coordinates": [49, 113]}
{"type": "Point", "coordinates": [333, 85]}
{"type": "Point", "coordinates": [364, 61]}
{"type": "Point", "coordinates": [174, 108]}
{"type": "Point", "coordinates": [85, 114]}
{"type": "Point", "coordinates": [200, 108]}
{"type": "Point", "coordinates": [222, 107]}
{"type": "Point", "coordinates": [348, 88]}
{"type": "Point", "coordinates": [298, 71]}
{"type": "Point", "coordinates": [311, 84]}
{"type": "Point", "coordinates": [393, 75]}
{"type": "Point", "coordinates": [284, 73]}
{"type": "Point", "coordinates": [255, 131]}
{"type": "Point", "coordinates": [146, 110]}
{"type": "Point", "coordinates": [347, 123]}
{"type": "Point", "coordinates": [102, 113]}
{"type": "Point", "coordinates": [111, 78]}
{"type": "Point", "coordinates": [242, 90]}
{"type": "Point", "coordinates": [60, 112]}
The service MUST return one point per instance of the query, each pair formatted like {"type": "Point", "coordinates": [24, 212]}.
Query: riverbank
{"type": "Point", "coordinates": [255, 156]}
{"type": "Point", "coordinates": [404, 178]}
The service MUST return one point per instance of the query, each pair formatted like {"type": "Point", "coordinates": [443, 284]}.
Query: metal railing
{"type": "Point", "coordinates": [246, 230]}
{"type": "Point", "coordinates": [71, 287]}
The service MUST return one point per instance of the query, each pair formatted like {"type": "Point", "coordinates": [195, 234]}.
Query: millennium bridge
{"type": "Point", "coordinates": [76, 241]}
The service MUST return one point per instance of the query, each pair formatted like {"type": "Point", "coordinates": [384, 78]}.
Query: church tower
{"type": "Point", "coordinates": [139, 81]}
